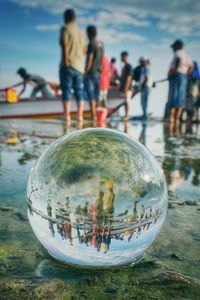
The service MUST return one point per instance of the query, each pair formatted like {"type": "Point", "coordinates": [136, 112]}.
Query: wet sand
{"type": "Point", "coordinates": [170, 267]}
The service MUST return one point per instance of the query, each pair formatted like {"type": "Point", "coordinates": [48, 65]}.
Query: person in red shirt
{"type": "Point", "coordinates": [114, 78]}
{"type": "Point", "coordinates": [104, 83]}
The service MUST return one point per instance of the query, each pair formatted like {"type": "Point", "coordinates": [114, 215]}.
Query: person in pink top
{"type": "Point", "coordinates": [114, 72]}
{"type": "Point", "coordinates": [104, 83]}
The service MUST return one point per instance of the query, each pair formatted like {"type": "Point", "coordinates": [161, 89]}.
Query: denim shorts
{"type": "Point", "coordinates": [177, 91]}
{"type": "Point", "coordinates": [71, 79]}
{"type": "Point", "coordinates": [91, 85]}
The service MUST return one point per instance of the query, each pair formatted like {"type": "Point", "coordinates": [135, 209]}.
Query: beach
{"type": "Point", "coordinates": [169, 269]}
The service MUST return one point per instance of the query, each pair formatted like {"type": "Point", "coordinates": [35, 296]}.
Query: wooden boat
{"type": "Point", "coordinates": [51, 108]}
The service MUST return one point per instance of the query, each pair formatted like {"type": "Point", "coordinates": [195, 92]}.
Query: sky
{"type": "Point", "coordinates": [29, 32]}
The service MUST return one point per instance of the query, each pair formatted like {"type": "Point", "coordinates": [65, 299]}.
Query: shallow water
{"type": "Point", "coordinates": [170, 267]}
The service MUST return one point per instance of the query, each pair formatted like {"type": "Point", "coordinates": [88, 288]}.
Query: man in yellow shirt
{"type": "Point", "coordinates": [73, 48]}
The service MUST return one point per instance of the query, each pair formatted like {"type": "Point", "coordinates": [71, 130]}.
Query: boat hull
{"type": "Point", "coordinates": [42, 108]}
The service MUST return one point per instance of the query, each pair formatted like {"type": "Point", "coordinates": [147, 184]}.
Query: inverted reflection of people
{"type": "Point", "coordinates": [138, 232]}
{"type": "Point", "coordinates": [146, 83]}
{"type": "Point", "coordinates": [142, 137]}
{"type": "Point", "coordinates": [126, 82]}
{"type": "Point", "coordinates": [99, 213]}
{"type": "Point", "coordinates": [93, 212]}
{"type": "Point", "coordinates": [67, 230]}
{"type": "Point", "coordinates": [60, 230]}
{"type": "Point", "coordinates": [134, 218]}
{"type": "Point", "coordinates": [180, 67]}
{"type": "Point", "coordinates": [131, 233]}
{"type": "Point", "coordinates": [39, 84]}
{"type": "Point", "coordinates": [86, 208]}
{"type": "Point", "coordinates": [105, 241]}
{"type": "Point", "coordinates": [93, 240]}
{"type": "Point", "coordinates": [67, 203]}
{"type": "Point", "coordinates": [73, 48]}
{"type": "Point", "coordinates": [49, 213]}
{"type": "Point", "coordinates": [93, 69]}
{"type": "Point", "coordinates": [104, 83]}
{"type": "Point", "coordinates": [98, 240]}
{"type": "Point", "coordinates": [109, 197]}
{"type": "Point", "coordinates": [142, 212]}
{"type": "Point", "coordinates": [59, 218]}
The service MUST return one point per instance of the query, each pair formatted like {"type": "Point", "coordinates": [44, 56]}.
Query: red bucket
{"type": "Point", "coordinates": [101, 114]}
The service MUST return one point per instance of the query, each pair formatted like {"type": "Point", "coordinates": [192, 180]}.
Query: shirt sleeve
{"type": "Point", "coordinates": [64, 36]}
{"type": "Point", "coordinates": [90, 49]}
{"type": "Point", "coordinates": [129, 70]}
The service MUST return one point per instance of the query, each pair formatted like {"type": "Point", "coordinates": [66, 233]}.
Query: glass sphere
{"type": "Point", "coordinates": [96, 197]}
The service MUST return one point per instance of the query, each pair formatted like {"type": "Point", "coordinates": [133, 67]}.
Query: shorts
{"type": "Point", "coordinates": [71, 79]}
{"type": "Point", "coordinates": [91, 85]}
{"type": "Point", "coordinates": [177, 91]}
{"type": "Point", "coordinates": [103, 95]}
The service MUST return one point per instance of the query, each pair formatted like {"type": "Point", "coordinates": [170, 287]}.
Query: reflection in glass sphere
{"type": "Point", "coordinates": [96, 197]}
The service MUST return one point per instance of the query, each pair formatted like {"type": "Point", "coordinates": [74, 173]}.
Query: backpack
{"type": "Point", "coordinates": [137, 73]}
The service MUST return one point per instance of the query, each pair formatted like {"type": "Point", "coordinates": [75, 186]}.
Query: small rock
{"type": "Point", "coordinates": [175, 256]}
{"type": "Point", "coordinates": [6, 208]}
{"type": "Point", "coordinates": [191, 203]}
{"type": "Point", "coordinates": [170, 205]}
{"type": "Point", "coordinates": [167, 278]}
{"type": "Point", "coordinates": [110, 290]}
{"type": "Point", "coordinates": [148, 265]}
{"type": "Point", "coordinates": [20, 216]}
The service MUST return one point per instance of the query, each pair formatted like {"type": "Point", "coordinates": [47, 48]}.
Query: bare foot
{"type": "Point", "coordinates": [125, 119]}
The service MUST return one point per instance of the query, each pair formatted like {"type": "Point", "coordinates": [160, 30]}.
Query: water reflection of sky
{"type": "Point", "coordinates": [171, 150]}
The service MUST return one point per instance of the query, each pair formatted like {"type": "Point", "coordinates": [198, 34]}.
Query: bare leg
{"type": "Point", "coordinates": [178, 115]}
{"type": "Point", "coordinates": [93, 106]}
{"type": "Point", "coordinates": [80, 110]}
{"type": "Point", "coordinates": [171, 129]}
{"type": "Point", "coordinates": [172, 115]}
{"type": "Point", "coordinates": [66, 106]}
{"type": "Point", "coordinates": [126, 110]}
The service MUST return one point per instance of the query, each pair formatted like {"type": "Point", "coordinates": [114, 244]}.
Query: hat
{"type": "Point", "coordinates": [178, 43]}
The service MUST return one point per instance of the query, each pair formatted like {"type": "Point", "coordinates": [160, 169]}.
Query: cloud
{"type": "Point", "coordinates": [174, 17]}
{"type": "Point", "coordinates": [116, 18]}
{"type": "Point", "coordinates": [109, 35]}
{"type": "Point", "coordinates": [47, 27]}
{"type": "Point", "coordinates": [175, 28]}
{"type": "Point", "coordinates": [112, 36]}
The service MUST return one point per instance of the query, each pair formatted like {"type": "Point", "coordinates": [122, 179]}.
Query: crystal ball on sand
{"type": "Point", "coordinates": [96, 197]}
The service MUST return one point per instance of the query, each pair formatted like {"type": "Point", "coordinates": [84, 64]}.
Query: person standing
{"type": "Point", "coordinates": [180, 67]}
{"type": "Point", "coordinates": [93, 69]}
{"type": "Point", "coordinates": [146, 83]}
{"type": "Point", "coordinates": [73, 48]}
{"type": "Point", "coordinates": [114, 72]}
{"type": "Point", "coordinates": [192, 92]}
{"type": "Point", "coordinates": [104, 84]}
{"type": "Point", "coordinates": [126, 81]}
